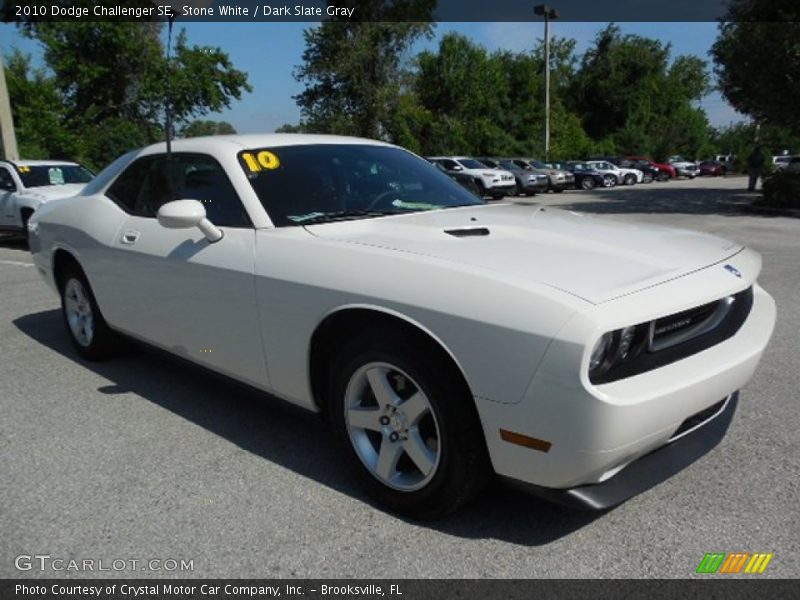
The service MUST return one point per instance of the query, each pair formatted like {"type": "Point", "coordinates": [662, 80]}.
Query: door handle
{"type": "Point", "coordinates": [130, 236]}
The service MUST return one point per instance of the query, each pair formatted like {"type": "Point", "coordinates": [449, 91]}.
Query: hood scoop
{"type": "Point", "coordinates": [468, 232]}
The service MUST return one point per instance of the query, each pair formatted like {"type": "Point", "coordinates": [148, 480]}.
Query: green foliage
{"type": "Point", "coordinates": [353, 70]}
{"type": "Point", "coordinates": [200, 128]}
{"type": "Point", "coordinates": [758, 60]}
{"type": "Point", "coordinates": [627, 90]}
{"type": "Point", "coordinates": [782, 190]}
{"type": "Point", "coordinates": [740, 139]}
{"type": "Point", "coordinates": [39, 122]}
{"type": "Point", "coordinates": [105, 88]}
{"type": "Point", "coordinates": [624, 96]}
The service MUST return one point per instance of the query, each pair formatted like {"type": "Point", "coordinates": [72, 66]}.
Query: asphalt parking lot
{"type": "Point", "coordinates": [145, 458]}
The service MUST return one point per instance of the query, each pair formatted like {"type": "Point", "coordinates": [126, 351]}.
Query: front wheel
{"type": "Point", "coordinates": [407, 424]}
{"type": "Point", "coordinates": [88, 330]}
{"type": "Point", "coordinates": [629, 179]}
{"type": "Point", "coordinates": [662, 176]}
{"type": "Point", "coordinates": [609, 180]}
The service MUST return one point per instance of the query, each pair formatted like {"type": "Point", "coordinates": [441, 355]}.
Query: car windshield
{"type": "Point", "coordinates": [538, 164]}
{"type": "Point", "coordinates": [44, 175]}
{"type": "Point", "coordinates": [330, 182]}
{"type": "Point", "coordinates": [471, 163]}
{"type": "Point", "coordinates": [490, 163]}
{"type": "Point", "coordinates": [577, 167]}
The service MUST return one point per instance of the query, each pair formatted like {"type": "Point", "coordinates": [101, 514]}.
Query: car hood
{"type": "Point", "coordinates": [51, 192]}
{"type": "Point", "coordinates": [596, 259]}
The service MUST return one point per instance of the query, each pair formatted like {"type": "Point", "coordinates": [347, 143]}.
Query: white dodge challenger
{"type": "Point", "coordinates": [445, 340]}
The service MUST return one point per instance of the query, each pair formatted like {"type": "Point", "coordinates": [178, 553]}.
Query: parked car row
{"type": "Point", "coordinates": [497, 177]}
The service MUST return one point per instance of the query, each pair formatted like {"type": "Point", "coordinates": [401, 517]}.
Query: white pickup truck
{"type": "Point", "coordinates": [25, 184]}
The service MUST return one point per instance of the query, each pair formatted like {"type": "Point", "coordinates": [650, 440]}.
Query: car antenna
{"type": "Point", "coordinates": [168, 106]}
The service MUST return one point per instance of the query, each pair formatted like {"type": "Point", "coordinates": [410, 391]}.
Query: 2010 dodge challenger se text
{"type": "Point", "coordinates": [446, 340]}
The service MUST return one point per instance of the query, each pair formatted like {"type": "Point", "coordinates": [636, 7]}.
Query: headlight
{"type": "Point", "coordinates": [615, 348]}
{"type": "Point", "coordinates": [600, 351]}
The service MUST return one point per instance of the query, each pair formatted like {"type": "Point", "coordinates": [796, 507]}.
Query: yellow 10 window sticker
{"type": "Point", "coordinates": [255, 161]}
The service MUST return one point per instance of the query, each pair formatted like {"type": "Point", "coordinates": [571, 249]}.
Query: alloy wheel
{"type": "Point", "coordinates": [79, 314]}
{"type": "Point", "coordinates": [392, 426]}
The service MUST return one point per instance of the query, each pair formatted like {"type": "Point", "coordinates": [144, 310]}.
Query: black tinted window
{"type": "Point", "coordinates": [6, 181]}
{"type": "Point", "coordinates": [153, 181]}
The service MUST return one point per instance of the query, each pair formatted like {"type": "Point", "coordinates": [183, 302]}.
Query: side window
{"type": "Point", "coordinates": [153, 181]}
{"type": "Point", "coordinates": [449, 164]}
{"type": "Point", "coordinates": [202, 178]}
{"type": "Point", "coordinates": [125, 191]}
{"type": "Point", "coordinates": [6, 181]}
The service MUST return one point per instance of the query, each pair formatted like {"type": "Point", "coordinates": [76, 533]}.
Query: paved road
{"type": "Point", "coordinates": [144, 458]}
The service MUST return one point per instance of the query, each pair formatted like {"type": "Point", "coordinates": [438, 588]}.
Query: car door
{"type": "Point", "coordinates": [8, 190]}
{"type": "Point", "coordinates": [173, 287]}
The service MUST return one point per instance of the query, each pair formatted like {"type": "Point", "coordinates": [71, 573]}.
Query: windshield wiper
{"type": "Point", "coordinates": [342, 215]}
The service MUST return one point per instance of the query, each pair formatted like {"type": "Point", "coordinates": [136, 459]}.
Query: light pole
{"type": "Point", "coordinates": [548, 13]}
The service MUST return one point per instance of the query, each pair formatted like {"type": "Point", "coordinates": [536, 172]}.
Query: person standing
{"type": "Point", "coordinates": [755, 166]}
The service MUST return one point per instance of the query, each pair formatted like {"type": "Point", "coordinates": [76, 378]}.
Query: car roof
{"type": "Point", "coordinates": [258, 140]}
{"type": "Point", "coordinates": [39, 163]}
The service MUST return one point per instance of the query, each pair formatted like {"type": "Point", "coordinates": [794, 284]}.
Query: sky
{"type": "Point", "coordinates": [268, 52]}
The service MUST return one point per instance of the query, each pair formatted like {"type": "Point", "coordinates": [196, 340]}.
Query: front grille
{"type": "Point", "coordinates": [698, 419]}
{"type": "Point", "coordinates": [683, 326]}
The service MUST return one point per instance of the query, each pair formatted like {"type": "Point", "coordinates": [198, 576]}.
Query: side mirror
{"type": "Point", "coordinates": [184, 214]}
{"type": "Point", "coordinates": [458, 168]}
{"type": "Point", "coordinates": [8, 185]}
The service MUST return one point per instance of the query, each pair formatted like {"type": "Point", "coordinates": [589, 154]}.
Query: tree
{"type": "Point", "coordinates": [38, 118]}
{"type": "Point", "coordinates": [757, 57]}
{"type": "Point", "coordinates": [352, 70]}
{"type": "Point", "coordinates": [200, 128]}
{"type": "Point", "coordinates": [627, 90]}
{"type": "Point", "coordinates": [112, 81]}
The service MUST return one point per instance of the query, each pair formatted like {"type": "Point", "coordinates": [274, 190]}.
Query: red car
{"type": "Point", "coordinates": [714, 168]}
{"type": "Point", "coordinates": [665, 171]}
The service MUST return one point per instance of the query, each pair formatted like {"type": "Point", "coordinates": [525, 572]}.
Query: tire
{"type": "Point", "coordinates": [648, 178]}
{"type": "Point", "coordinates": [662, 176]}
{"type": "Point", "coordinates": [609, 180]}
{"type": "Point", "coordinates": [587, 183]}
{"type": "Point", "coordinates": [558, 190]}
{"type": "Point", "coordinates": [86, 327]}
{"type": "Point", "coordinates": [629, 179]}
{"type": "Point", "coordinates": [423, 461]}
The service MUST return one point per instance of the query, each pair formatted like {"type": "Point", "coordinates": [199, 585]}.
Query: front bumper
{"type": "Point", "coordinates": [540, 185]}
{"type": "Point", "coordinates": [645, 472]}
{"type": "Point", "coordinates": [595, 431]}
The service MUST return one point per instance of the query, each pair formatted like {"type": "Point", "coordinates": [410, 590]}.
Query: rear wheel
{"type": "Point", "coordinates": [587, 183]}
{"type": "Point", "coordinates": [408, 424]}
{"type": "Point", "coordinates": [662, 176]}
{"type": "Point", "coordinates": [647, 178]}
{"type": "Point", "coordinates": [88, 330]}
